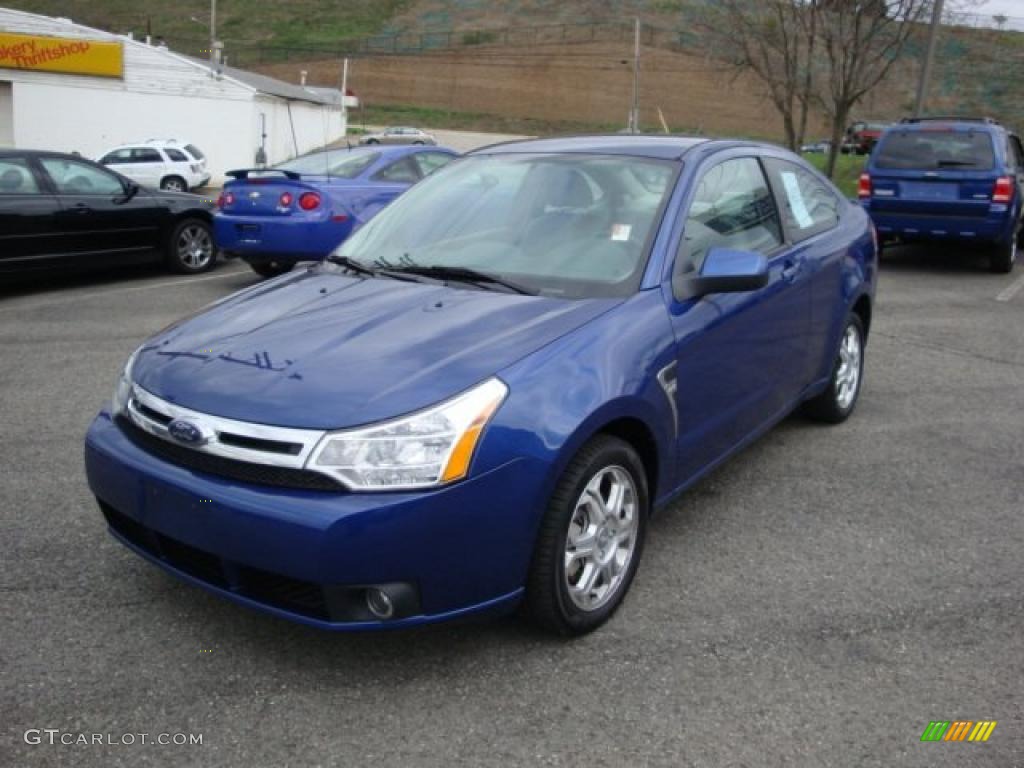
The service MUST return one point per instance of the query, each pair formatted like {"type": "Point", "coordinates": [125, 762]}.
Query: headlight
{"type": "Point", "coordinates": [426, 449]}
{"type": "Point", "coordinates": [123, 388]}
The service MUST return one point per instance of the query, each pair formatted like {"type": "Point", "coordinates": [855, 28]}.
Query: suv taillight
{"type": "Point", "coordinates": [864, 186]}
{"type": "Point", "coordinates": [1003, 191]}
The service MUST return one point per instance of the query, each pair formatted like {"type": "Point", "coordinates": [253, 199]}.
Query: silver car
{"type": "Point", "coordinates": [399, 135]}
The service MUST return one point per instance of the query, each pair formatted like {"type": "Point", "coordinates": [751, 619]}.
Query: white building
{"type": "Point", "coordinates": [50, 100]}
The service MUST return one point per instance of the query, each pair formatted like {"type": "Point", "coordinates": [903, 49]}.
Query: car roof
{"type": "Point", "coordinates": [658, 147]}
{"type": "Point", "coordinates": [12, 152]}
{"type": "Point", "coordinates": [948, 124]}
{"type": "Point", "coordinates": [385, 152]}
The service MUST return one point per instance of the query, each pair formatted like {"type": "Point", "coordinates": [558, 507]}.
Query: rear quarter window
{"type": "Point", "coordinates": [932, 150]}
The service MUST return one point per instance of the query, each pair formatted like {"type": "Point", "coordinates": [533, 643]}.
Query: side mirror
{"type": "Point", "coordinates": [131, 189]}
{"type": "Point", "coordinates": [724, 271]}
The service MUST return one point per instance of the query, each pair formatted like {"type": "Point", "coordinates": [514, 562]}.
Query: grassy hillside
{"type": "Point", "coordinates": [277, 22]}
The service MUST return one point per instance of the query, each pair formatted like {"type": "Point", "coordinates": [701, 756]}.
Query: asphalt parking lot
{"type": "Point", "coordinates": [815, 602]}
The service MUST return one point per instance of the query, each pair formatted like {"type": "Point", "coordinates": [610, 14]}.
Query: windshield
{"type": "Point", "coordinates": [568, 225]}
{"type": "Point", "coordinates": [342, 164]}
{"type": "Point", "coordinates": [930, 150]}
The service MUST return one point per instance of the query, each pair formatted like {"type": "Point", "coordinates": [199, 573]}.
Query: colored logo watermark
{"type": "Point", "coordinates": [958, 730]}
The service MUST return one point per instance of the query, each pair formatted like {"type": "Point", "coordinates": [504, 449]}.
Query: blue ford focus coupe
{"type": "Point", "coordinates": [301, 210]}
{"type": "Point", "coordinates": [480, 398]}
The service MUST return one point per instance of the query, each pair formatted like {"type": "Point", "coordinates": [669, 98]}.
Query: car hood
{"type": "Point", "coordinates": [323, 350]}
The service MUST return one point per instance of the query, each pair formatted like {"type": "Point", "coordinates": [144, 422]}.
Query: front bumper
{"type": "Point", "coordinates": [299, 554]}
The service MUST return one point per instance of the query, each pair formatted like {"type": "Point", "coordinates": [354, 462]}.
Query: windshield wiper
{"type": "Point", "coordinates": [464, 275]}
{"type": "Point", "coordinates": [950, 163]}
{"type": "Point", "coordinates": [352, 265]}
{"type": "Point", "coordinates": [360, 268]}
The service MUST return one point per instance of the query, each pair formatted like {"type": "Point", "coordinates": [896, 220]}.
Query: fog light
{"type": "Point", "coordinates": [379, 603]}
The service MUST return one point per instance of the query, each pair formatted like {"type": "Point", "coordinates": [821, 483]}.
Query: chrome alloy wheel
{"type": "Point", "coordinates": [848, 375]}
{"type": "Point", "coordinates": [601, 538]}
{"type": "Point", "coordinates": [194, 246]}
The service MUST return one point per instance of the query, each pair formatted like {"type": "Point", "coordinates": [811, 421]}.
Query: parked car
{"type": "Point", "coordinates": [302, 209]}
{"type": "Point", "coordinates": [952, 179]}
{"type": "Point", "coordinates": [861, 137]}
{"type": "Point", "coordinates": [67, 212]}
{"type": "Point", "coordinates": [817, 148]}
{"type": "Point", "coordinates": [399, 135]}
{"type": "Point", "coordinates": [168, 164]}
{"type": "Point", "coordinates": [483, 394]}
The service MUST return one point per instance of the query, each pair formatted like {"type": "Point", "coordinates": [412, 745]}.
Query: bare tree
{"type": "Point", "coordinates": [861, 41]}
{"type": "Point", "coordinates": [775, 41]}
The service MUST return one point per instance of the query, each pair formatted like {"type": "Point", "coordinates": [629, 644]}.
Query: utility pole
{"type": "Point", "coordinates": [214, 58]}
{"type": "Point", "coordinates": [344, 92]}
{"type": "Point", "coordinates": [634, 112]}
{"type": "Point", "coordinates": [929, 57]}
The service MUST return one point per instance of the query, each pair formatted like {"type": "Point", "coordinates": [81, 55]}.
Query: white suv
{"type": "Point", "coordinates": [164, 163]}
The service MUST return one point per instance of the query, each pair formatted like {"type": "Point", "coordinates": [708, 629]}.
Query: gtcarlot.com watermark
{"type": "Point", "coordinates": [55, 736]}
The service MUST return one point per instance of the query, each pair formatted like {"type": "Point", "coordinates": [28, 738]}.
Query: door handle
{"type": "Point", "coordinates": [790, 270]}
{"type": "Point", "coordinates": [81, 208]}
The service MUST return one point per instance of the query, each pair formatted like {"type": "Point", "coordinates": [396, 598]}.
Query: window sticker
{"type": "Point", "coordinates": [796, 200]}
{"type": "Point", "coordinates": [620, 232]}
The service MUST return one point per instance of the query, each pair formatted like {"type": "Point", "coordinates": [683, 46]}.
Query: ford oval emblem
{"type": "Point", "coordinates": [185, 432]}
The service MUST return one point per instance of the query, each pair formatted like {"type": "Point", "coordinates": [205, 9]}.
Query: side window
{"type": "Point", "coordinates": [146, 155]}
{"type": "Point", "coordinates": [16, 177]}
{"type": "Point", "coordinates": [117, 157]}
{"type": "Point", "coordinates": [808, 205]}
{"type": "Point", "coordinates": [176, 156]}
{"type": "Point", "coordinates": [404, 171]}
{"type": "Point", "coordinates": [732, 208]}
{"type": "Point", "coordinates": [72, 177]}
{"type": "Point", "coordinates": [1016, 153]}
{"type": "Point", "coordinates": [431, 161]}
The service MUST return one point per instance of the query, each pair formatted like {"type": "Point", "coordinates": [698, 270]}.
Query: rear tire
{"type": "Point", "coordinates": [191, 248]}
{"type": "Point", "coordinates": [174, 184]}
{"type": "Point", "coordinates": [837, 402]}
{"type": "Point", "coordinates": [1003, 256]}
{"type": "Point", "coordinates": [271, 268]}
{"type": "Point", "coordinates": [590, 539]}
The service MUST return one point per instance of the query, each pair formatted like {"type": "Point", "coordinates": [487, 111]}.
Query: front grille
{"type": "Point", "coordinates": [282, 592]}
{"type": "Point", "coordinates": [243, 471]}
{"type": "Point", "coordinates": [302, 597]}
{"type": "Point", "coordinates": [195, 562]}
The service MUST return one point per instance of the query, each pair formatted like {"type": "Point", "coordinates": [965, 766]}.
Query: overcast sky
{"type": "Point", "coordinates": [1006, 7]}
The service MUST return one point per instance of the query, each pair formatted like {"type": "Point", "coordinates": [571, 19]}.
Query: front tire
{"type": "Point", "coordinates": [190, 248]}
{"type": "Point", "coordinates": [271, 268]}
{"type": "Point", "coordinates": [590, 540]}
{"type": "Point", "coordinates": [1003, 256]}
{"type": "Point", "coordinates": [837, 402]}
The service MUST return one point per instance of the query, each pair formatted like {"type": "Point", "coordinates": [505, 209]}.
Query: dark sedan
{"type": "Point", "coordinates": [66, 212]}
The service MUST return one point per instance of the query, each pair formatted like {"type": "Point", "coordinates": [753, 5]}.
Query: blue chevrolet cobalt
{"type": "Point", "coordinates": [481, 397]}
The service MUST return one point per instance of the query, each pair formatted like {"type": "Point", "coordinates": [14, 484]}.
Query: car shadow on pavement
{"type": "Point", "coordinates": [937, 259]}
{"type": "Point", "coordinates": [17, 284]}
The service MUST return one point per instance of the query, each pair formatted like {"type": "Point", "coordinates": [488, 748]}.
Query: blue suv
{"type": "Point", "coordinates": [478, 399]}
{"type": "Point", "coordinates": [948, 178]}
